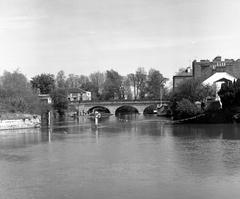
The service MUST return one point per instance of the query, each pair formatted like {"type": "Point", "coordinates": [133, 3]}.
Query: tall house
{"type": "Point", "coordinates": [203, 69]}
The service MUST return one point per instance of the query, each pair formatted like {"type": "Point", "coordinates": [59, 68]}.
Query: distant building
{"type": "Point", "coordinates": [45, 98]}
{"type": "Point", "coordinates": [78, 94]}
{"type": "Point", "coordinates": [204, 69]}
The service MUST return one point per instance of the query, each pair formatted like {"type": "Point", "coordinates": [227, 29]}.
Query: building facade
{"type": "Point", "coordinates": [78, 94]}
{"type": "Point", "coordinates": [204, 69]}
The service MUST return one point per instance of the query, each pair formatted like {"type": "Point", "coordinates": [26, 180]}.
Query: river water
{"type": "Point", "coordinates": [129, 157]}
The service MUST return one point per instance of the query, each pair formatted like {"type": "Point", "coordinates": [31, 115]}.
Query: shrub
{"type": "Point", "coordinates": [185, 108]}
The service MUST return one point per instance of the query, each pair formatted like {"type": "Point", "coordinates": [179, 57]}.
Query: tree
{"type": "Point", "coordinates": [230, 94]}
{"type": "Point", "coordinates": [126, 85]}
{"type": "Point", "coordinates": [132, 80]}
{"type": "Point", "coordinates": [155, 84]}
{"type": "Point", "coordinates": [60, 101]}
{"type": "Point", "coordinates": [185, 108]}
{"type": "Point", "coordinates": [112, 85]}
{"type": "Point", "coordinates": [16, 94]}
{"type": "Point", "coordinates": [61, 79]}
{"type": "Point", "coordinates": [44, 82]}
{"type": "Point", "coordinates": [72, 81]}
{"type": "Point", "coordinates": [141, 77]}
{"type": "Point", "coordinates": [97, 79]}
{"type": "Point", "coordinates": [191, 90]}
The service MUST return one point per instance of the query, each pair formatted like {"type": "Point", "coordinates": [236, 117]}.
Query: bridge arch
{"type": "Point", "coordinates": [150, 109]}
{"type": "Point", "coordinates": [126, 109]}
{"type": "Point", "coordinates": [98, 108]}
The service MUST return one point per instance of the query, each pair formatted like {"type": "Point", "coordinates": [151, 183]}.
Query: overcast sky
{"type": "Point", "coordinates": [83, 36]}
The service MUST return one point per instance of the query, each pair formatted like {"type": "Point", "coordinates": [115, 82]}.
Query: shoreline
{"type": "Point", "coordinates": [9, 121]}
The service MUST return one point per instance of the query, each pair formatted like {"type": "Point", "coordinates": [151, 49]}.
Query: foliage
{"type": "Point", "coordinates": [185, 108]}
{"type": "Point", "coordinates": [126, 84]}
{"type": "Point", "coordinates": [44, 82]}
{"type": "Point", "coordinates": [16, 94]}
{"type": "Point", "coordinates": [230, 94]}
{"type": "Point", "coordinates": [61, 79]}
{"type": "Point", "coordinates": [155, 84]}
{"type": "Point", "coordinates": [112, 85]}
{"type": "Point", "coordinates": [141, 77]}
{"type": "Point", "coordinates": [72, 81]}
{"type": "Point", "coordinates": [191, 90]}
{"type": "Point", "coordinates": [97, 79]}
{"type": "Point", "coordinates": [60, 101]}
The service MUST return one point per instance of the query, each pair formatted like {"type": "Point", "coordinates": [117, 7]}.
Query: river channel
{"type": "Point", "coordinates": [128, 157]}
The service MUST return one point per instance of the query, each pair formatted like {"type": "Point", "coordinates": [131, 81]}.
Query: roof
{"type": "Point", "coordinates": [216, 77]}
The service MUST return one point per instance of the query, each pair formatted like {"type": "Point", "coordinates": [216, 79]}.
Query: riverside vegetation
{"type": "Point", "coordinates": [189, 100]}
{"type": "Point", "coordinates": [18, 95]}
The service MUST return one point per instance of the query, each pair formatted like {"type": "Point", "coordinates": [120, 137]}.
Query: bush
{"type": "Point", "coordinates": [185, 108]}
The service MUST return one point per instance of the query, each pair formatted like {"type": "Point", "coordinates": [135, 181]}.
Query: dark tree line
{"type": "Point", "coordinates": [230, 94]}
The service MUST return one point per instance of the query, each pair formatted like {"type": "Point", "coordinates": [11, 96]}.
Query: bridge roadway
{"type": "Point", "coordinates": [113, 106]}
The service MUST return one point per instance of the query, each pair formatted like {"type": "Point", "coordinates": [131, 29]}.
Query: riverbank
{"type": "Point", "coordinates": [210, 117]}
{"type": "Point", "coordinates": [10, 121]}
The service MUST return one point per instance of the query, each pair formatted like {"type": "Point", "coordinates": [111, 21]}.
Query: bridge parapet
{"type": "Point", "coordinates": [112, 106]}
{"type": "Point", "coordinates": [143, 102]}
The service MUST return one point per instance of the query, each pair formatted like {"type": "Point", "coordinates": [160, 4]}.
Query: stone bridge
{"type": "Point", "coordinates": [113, 106]}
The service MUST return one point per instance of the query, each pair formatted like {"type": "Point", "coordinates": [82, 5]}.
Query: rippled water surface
{"type": "Point", "coordinates": [124, 158]}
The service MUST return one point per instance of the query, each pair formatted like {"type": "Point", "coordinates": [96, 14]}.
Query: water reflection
{"type": "Point", "coordinates": [137, 156]}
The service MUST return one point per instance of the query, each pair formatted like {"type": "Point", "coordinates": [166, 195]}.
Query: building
{"type": "Point", "coordinates": [217, 79]}
{"type": "Point", "coordinates": [45, 98]}
{"type": "Point", "coordinates": [204, 69]}
{"type": "Point", "coordinates": [78, 94]}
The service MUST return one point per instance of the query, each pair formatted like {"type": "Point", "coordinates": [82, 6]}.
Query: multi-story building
{"type": "Point", "coordinates": [204, 69]}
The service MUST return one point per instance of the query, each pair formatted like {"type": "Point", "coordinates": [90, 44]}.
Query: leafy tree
{"type": "Point", "coordinates": [141, 77]}
{"type": "Point", "coordinates": [155, 84]}
{"type": "Point", "coordinates": [72, 81]}
{"type": "Point", "coordinates": [192, 90]}
{"type": "Point", "coordinates": [61, 79]}
{"type": "Point", "coordinates": [97, 79]}
{"type": "Point", "coordinates": [44, 82]}
{"type": "Point", "coordinates": [230, 94]}
{"type": "Point", "coordinates": [126, 85]}
{"type": "Point", "coordinates": [16, 94]}
{"type": "Point", "coordinates": [112, 84]}
{"type": "Point", "coordinates": [185, 108]}
{"type": "Point", "coordinates": [60, 101]}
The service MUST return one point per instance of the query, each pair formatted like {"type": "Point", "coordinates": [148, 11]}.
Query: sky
{"type": "Point", "coordinates": [85, 36]}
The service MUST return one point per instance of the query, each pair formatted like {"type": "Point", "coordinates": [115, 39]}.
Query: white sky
{"type": "Point", "coordinates": [83, 36]}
